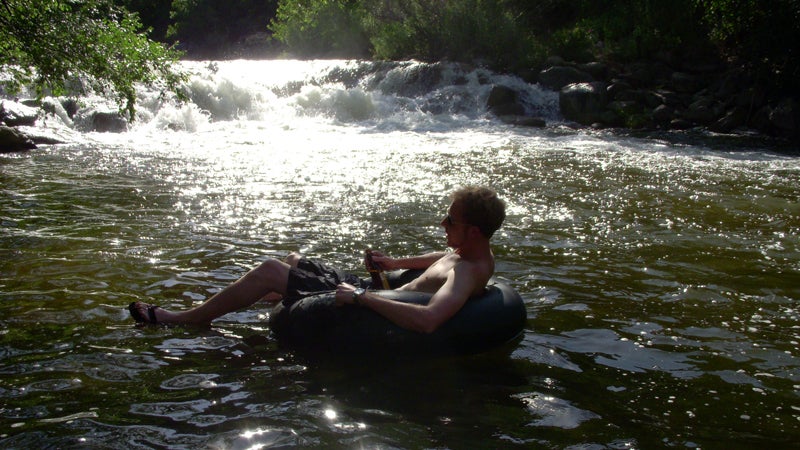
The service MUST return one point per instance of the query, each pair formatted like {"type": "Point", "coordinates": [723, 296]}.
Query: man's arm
{"type": "Point", "coordinates": [444, 304]}
{"type": "Point", "coordinates": [411, 262]}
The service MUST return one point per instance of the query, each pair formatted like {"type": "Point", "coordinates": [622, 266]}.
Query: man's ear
{"type": "Point", "coordinates": [474, 231]}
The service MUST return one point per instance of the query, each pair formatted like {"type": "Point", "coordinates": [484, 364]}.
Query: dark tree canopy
{"type": "Point", "coordinates": [50, 43]}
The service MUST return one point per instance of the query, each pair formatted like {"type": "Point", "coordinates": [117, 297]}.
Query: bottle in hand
{"type": "Point", "coordinates": [379, 280]}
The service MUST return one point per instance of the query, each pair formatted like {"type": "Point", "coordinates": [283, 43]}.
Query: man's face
{"type": "Point", "coordinates": [455, 227]}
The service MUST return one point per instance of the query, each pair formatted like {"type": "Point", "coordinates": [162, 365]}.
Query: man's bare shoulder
{"type": "Point", "coordinates": [475, 267]}
{"type": "Point", "coordinates": [473, 273]}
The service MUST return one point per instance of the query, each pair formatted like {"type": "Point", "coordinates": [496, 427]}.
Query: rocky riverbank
{"type": "Point", "coordinates": [19, 119]}
{"type": "Point", "coordinates": [655, 95]}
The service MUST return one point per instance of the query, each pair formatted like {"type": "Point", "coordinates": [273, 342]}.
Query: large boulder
{"type": "Point", "coordinates": [596, 69]}
{"type": "Point", "coordinates": [16, 114]}
{"type": "Point", "coordinates": [411, 81]}
{"type": "Point", "coordinates": [663, 115]}
{"type": "Point", "coordinates": [734, 118]}
{"type": "Point", "coordinates": [13, 140]}
{"type": "Point", "coordinates": [108, 122]}
{"type": "Point", "coordinates": [703, 111]}
{"type": "Point", "coordinates": [584, 103]}
{"type": "Point", "coordinates": [785, 117]}
{"type": "Point", "coordinates": [504, 101]}
{"type": "Point", "coordinates": [557, 77]}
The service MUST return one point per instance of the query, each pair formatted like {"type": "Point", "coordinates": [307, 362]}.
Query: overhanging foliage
{"type": "Point", "coordinates": [58, 45]}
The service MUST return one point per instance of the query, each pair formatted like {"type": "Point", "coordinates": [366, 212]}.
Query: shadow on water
{"type": "Point", "coordinates": [392, 401]}
{"type": "Point", "coordinates": [725, 143]}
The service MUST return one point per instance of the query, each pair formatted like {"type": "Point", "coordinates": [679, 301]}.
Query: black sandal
{"type": "Point", "coordinates": [139, 318]}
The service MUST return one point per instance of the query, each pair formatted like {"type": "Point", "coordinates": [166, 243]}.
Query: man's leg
{"type": "Point", "coordinates": [269, 277]}
{"type": "Point", "coordinates": [274, 297]}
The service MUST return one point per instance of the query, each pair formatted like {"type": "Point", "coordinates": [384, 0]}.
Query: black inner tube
{"type": "Point", "coordinates": [316, 325]}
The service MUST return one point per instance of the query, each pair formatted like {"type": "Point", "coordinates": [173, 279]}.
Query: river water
{"type": "Point", "coordinates": [661, 273]}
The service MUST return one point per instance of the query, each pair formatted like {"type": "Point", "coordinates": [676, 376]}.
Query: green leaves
{"type": "Point", "coordinates": [321, 28]}
{"type": "Point", "coordinates": [424, 29]}
{"type": "Point", "coordinates": [60, 46]}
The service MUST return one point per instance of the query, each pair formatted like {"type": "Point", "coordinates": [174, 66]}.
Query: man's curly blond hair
{"type": "Point", "coordinates": [481, 207]}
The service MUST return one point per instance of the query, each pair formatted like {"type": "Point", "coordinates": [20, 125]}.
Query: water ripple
{"type": "Point", "coordinates": [554, 412]}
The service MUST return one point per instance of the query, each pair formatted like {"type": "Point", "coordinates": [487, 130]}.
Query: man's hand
{"type": "Point", "coordinates": [379, 259]}
{"type": "Point", "coordinates": [344, 294]}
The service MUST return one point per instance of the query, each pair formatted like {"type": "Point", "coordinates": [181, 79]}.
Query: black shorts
{"type": "Point", "coordinates": [313, 277]}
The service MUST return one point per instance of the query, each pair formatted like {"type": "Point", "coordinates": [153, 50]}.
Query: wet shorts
{"type": "Point", "coordinates": [312, 277]}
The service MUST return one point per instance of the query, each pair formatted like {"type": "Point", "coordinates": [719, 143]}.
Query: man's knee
{"type": "Point", "coordinates": [272, 273]}
{"type": "Point", "coordinates": [293, 258]}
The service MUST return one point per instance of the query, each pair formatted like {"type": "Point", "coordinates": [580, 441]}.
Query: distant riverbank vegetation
{"type": "Point", "coordinates": [100, 38]}
{"type": "Point", "coordinates": [512, 35]}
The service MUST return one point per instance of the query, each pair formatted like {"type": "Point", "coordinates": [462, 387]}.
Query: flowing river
{"type": "Point", "coordinates": [661, 274]}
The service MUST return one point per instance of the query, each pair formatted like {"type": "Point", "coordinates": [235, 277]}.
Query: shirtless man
{"type": "Point", "coordinates": [475, 213]}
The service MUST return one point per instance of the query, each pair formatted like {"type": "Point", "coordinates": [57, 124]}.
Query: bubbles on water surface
{"type": "Point", "coordinates": [190, 381]}
{"type": "Point", "coordinates": [551, 411]}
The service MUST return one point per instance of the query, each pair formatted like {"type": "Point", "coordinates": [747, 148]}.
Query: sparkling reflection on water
{"type": "Point", "coordinates": [661, 284]}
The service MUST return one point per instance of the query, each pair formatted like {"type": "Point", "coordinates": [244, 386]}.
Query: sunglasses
{"type": "Point", "coordinates": [452, 222]}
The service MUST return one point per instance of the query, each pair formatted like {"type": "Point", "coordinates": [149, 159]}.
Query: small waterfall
{"type": "Point", "coordinates": [405, 95]}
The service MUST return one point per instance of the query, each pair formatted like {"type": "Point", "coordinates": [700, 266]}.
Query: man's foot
{"type": "Point", "coordinates": [145, 314]}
